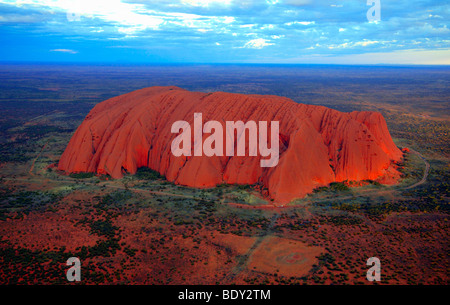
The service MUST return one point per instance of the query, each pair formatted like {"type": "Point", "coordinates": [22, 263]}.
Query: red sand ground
{"type": "Point", "coordinates": [409, 245]}
{"type": "Point", "coordinates": [283, 256]}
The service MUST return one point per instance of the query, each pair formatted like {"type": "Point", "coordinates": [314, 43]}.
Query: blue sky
{"type": "Point", "coordinates": [225, 31]}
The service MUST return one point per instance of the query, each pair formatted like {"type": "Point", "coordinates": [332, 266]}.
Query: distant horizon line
{"type": "Point", "coordinates": [124, 63]}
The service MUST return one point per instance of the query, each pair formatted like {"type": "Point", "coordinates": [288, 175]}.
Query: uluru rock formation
{"type": "Point", "coordinates": [318, 145]}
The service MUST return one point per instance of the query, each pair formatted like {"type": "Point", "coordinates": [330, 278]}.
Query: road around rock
{"type": "Point", "coordinates": [426, 171]}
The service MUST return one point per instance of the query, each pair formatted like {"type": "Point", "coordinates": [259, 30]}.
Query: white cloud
{"type": "Point", "coordinates": [136, 16]}
{"type": "Point", "coordinates": [130, 30]}
{"type": "Point", "coordinates": [298, 2]}
{"type": "Point", "coordinates": [289, 26]}
{"type": "Point", "coordinates": [258, 43]}
{"type": "Point", "coordinates": [247, 25]}
{"type": "Point", "coordinates": [206, 3]}
{"type": "Point", "coordinates": [349, 45]}
{"type": "Point", "coordinates": [300, 22]}
{"type": "Point", "coordinates": [14, 18]}
{"type": "Point", "coordinates": [107, 10]}
{"type": "Point", "coordinates": [366, 43]}
{"type": "Point", "coordinates": [69, 51]}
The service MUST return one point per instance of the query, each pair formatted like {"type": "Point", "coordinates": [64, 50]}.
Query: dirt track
{"type": "Point", "coordinates": [244, 258]}
{"type": "Point", "coordinates": [425, 172]}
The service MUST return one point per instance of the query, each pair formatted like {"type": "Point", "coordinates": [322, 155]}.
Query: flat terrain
{"type": "Point", "coordinates": [143, 229]}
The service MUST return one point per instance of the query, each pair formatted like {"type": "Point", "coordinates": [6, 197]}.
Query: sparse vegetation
{"type": "Point", "coordinates": [81, 175]}
{"type": "Point", "coordinates": [144, 229]}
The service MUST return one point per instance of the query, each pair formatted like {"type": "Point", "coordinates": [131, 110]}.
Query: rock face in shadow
{"type": "Point", "coordinates": [318, 145]}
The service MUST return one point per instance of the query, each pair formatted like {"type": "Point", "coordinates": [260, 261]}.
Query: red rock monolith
{"type": "Point", "coordinates": [318, 145]}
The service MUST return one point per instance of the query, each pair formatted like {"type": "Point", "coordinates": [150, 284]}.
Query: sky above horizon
{"type": "Point", "coordinates": [225, 31]}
